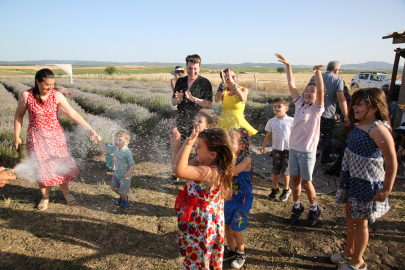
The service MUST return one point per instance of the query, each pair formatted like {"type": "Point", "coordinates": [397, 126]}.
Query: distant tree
{"type": "Point", "coordinates": [110, 70]}
{"type": "Point", "coordinates": [281, 70]}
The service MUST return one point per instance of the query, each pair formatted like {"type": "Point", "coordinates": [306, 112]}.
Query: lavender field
{"type": "Point", "coordinates": [141, 107]}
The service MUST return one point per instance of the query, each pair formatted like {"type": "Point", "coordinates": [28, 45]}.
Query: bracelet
{"type": "Point", "coordinates": [221, 87]}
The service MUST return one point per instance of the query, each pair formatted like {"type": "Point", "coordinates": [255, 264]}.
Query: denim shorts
{"type": "Point", "coordinates": [236, 213]}
{"type": "Point", "coordinates": [302, 164]}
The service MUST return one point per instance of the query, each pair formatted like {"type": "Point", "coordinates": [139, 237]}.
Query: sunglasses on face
{"type": "Point", "coordinates": [180, 71]}
{"type": "Point", "coordinates": [233, 77]}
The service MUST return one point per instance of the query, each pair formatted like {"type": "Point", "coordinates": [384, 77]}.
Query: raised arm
{"type": "Point", "coordinates": [319, 85]}
{"type": "Point", "coordinates": [66, 109]}
{"type": "Point", "coordinates": [290, 76]}
{"type": "Point", "coordinates": [209, 176]}
{"type": "Point", "coordinates": [244, 165]}
{"type": "Point", "coordinates": [19, 118]}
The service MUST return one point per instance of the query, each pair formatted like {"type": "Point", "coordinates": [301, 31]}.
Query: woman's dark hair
{"type": "Point", "coordinates": [41, 76]}
{"type": "Point", "coordinates": [374, 98]}
{"type": "Point", "coordinates": [218, 140]}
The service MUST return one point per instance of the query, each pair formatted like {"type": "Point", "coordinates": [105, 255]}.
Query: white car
{"type": "Point", "coordinates": [371, 79]}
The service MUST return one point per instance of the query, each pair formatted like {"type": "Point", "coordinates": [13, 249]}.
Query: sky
{"type": "Point", "coordinates": [305, 32]}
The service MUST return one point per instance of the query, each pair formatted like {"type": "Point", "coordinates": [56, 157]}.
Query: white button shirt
{"type": "Point", "coordinates": [281, 130]}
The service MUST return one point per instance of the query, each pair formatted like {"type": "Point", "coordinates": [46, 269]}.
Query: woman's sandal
{"type": "Point", "coordinates": [43, 204]}
{"type": "Point", "coordinates": [351, 267]}
{"type": "Point", "coordinates": [70, 199]}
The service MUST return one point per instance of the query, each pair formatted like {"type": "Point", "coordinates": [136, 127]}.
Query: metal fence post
{"type": "Point", "coordinates": [141, 76]}
{"type": "Point", "coordinates": [131, 76]}
{"type": "Point", "coordinates": [166, 76]}
{"type": "Point", "coordinates": [152, 78]}
{"type": "Point", "coordinates": [115, 76]}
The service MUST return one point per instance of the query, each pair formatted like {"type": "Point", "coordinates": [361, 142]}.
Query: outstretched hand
{"type": "Point", "coordinates": [175, 139]}
{"type": "Point", "coordinates": [193, 135]}
{"type": "Point", "coordinates": [282, 59]}
{"type": "Point", "coordinates": [223, 77]}
{"type": "Point", "coordinates": [6, 176]}
{"type": "Point", "coordinates": [229, 78]}
{"type": "Point", "coordinates": [94, 136]}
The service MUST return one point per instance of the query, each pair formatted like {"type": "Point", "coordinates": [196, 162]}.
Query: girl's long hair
{"type": "Point", "coordinates": [243, 139]}
{"type": "Point", "coordinates": [218, 140]}
{"type": "Point", "coordinates": [374, 98]}
{"type": "Point", "coordinates": [41, 76]}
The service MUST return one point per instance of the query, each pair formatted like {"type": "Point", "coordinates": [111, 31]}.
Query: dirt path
{"type": "Point", "coordinates": [95, 234]}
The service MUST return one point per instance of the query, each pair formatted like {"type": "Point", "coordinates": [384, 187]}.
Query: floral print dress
{"type": "Point", "coordinates": [46, 143]}
{"type": "Point", "coordinates": [201, 238]}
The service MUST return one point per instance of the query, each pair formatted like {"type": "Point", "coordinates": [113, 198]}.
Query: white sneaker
{"type": "Point", "coordinates": [239, 261]}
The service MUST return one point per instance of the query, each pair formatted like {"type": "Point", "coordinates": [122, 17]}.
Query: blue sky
{"type": "Point", "coordinates": [306, 32]}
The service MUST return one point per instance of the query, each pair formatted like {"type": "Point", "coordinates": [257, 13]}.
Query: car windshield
{"type": "Point", "coordinates": [385, 77]}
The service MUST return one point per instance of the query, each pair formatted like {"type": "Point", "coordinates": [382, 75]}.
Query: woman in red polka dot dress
{"type": "Point", "coordinates": [46, 143]}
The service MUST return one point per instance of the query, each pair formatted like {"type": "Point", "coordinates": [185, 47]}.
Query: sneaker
{"type": "Point", "coordinates": [239, 261]}
{"type": "Point", "coordinates": [284, 196]}
{"type": "Point", "coordinates": [125, 203]}
{"type": "Point", "coordinates": [172, 179]}
{"type": "Point", "coordinates": [296, 213]}
{"type": "Point", "coordinates": [313, 216]}
{"type": "Point", "coordinates": [228, 254]}
{"type": "Point", "coordinates": [118, 201]}
{"type": "Point", "coordinates": [273, 194]}
{"type": "Point", "coordinates": [339, 258]}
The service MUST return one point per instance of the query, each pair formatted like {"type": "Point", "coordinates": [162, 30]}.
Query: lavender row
{"type": "Point", "coordinates": [78, 140]}
{"type": "Point", "coordinates": [130, 115]}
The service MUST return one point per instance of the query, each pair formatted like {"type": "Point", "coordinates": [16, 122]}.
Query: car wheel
{"type": "Point", "coordinates": [354, 87]}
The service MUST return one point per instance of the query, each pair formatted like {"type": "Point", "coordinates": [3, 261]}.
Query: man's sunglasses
{"type": "Point", "coordinates": [179, 71]}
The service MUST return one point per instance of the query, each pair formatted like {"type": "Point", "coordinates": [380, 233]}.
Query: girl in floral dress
{"type": "Point", "coordinates": [200, 204]}
{"type": "Point", "coordinates": [46, 143]}
{"type": "Point", "coordinates": [364, 185]}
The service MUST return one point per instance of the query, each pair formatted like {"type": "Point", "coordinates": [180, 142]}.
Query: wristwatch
{"type": "Point", "coordinates": [195, 100]}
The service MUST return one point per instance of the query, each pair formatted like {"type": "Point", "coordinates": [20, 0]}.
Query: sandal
{"type": "Point", "coordinates": [70, 199]}
{"type": "Point", "coordinates": [351, 267]}
{"type": "Point", "coordinates": [43, 205]}
{"type": "Point", "coordinates": [339, 258]}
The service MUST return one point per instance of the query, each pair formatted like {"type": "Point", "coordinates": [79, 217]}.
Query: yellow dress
{"type": "Point", "coordinates": [232, 114]}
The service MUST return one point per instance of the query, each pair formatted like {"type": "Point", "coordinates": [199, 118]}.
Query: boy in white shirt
{"type": "Point", "coordinates": [279, 129]}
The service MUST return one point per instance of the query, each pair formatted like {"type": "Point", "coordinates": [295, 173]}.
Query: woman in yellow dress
{"type": "Point", "coordinates": [234, 99]}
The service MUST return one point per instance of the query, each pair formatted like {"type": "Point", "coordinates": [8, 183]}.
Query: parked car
{"type": "Point", "coordinates": [371, 79]}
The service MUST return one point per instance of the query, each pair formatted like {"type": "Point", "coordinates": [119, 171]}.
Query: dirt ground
{"type": "Point", "coordinates": [95, 234]}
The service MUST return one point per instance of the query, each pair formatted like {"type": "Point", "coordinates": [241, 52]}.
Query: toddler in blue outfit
{"type": "Point", "coordinates": [124, 165]}
{"type": "Point", "coordinates": [237, 209]}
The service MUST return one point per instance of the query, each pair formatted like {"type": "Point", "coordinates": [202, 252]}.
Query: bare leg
{"type": "Point", "coordinates": [44, 191]}
{"type": "Point", "coordinates": [230, 239]}
{"type": "Point", "coordinates": [286, 180]}
{"type": "Point", "coordinates": [358, 238]}
{"type": "Point", "coordinates": [65, 188]}
{"type": "Point", "coordinates": [310, 190]}
{"type": "Point", "coordinates": [296, 187]}
{"type": "Point", "coordinates": [116, 190]}
{"type": "Point", "coordinates": [240, 240]}
{"type": "Point", "coordinates": [274, 178]}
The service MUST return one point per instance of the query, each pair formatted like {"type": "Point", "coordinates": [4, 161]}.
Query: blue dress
{"type": "Point", "coordinates": [362, 174]}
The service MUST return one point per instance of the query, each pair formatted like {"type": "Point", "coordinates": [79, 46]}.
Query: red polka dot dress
{"type": "Point", "coordinates": [46, 143]}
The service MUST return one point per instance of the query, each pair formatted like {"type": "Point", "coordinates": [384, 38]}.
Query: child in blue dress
{"type": "Point", "coordinates": [364, 185]}
{"type": "Point", "coordinates": [237, 209]}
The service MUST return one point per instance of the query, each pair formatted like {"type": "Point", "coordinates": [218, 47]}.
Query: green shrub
{"type": "Point", "coordinates": [110, 70]}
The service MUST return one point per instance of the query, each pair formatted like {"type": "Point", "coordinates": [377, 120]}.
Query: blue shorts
{"type": "Point", "coordinates": [236, 214]}
{"type": "Point", "coordinates": [302, 164]}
